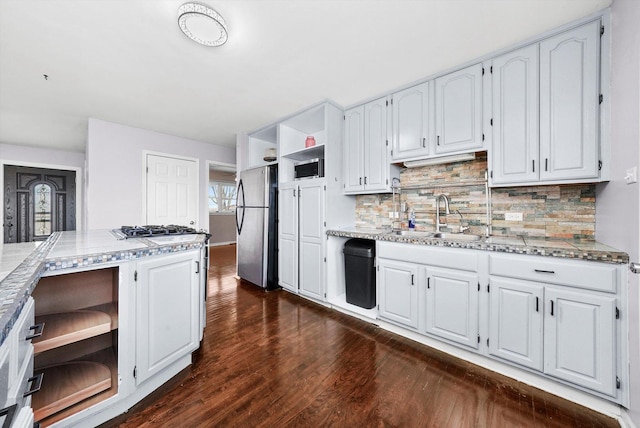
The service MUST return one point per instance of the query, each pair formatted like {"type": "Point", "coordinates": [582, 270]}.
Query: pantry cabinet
{"type": "Point", "coordinates": [167, 311]}
{"type": "Point", "coordinates": [458, 111]}
{"type": "Point", "coordinates": [301, 237]}
{"type": "Point", "coordinates": [288, 236]}
{"type": "Point", "coordinates": [546, 110]}
{"type": "Point", "coordinates": [311, 229]}
{"type": "Point", "coordinates": [398, 292]}
{"type": "Point", "coordinates": [366, 149]}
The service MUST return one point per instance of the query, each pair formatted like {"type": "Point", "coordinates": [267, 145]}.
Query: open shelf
{"type": "Point", "coordinates": [78, 349]}
{"type": "Point", "coordinates": [105, 358]}
{"type": "Point", "coordinates": [68, 384]}
{"type": "Point", "coordinates": [67, 327]}
{"type": "Point", "coordinates": [307, 153]}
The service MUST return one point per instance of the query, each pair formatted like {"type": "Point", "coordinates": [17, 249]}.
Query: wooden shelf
{"type": "Point", "coordinates": [106, 357]}
{"type": "Point", "coordinates": [66, 384]}
{"type": "Point", "coordinates": [68, 327]}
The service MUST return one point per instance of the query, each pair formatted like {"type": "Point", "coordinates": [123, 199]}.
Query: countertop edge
{"type": "Point", "coordinates": [548, 250]}
{"type": "Point", "coordinates": [18, 285]}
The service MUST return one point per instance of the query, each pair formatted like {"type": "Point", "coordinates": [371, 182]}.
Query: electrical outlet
{"type": "Point", "coordinates": [513, 216]}
{"type": "Point", "coordinates": [632, 175]}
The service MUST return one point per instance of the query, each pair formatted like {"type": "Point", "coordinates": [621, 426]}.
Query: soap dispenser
{"type": "Point", "coordinates": [412, 219]}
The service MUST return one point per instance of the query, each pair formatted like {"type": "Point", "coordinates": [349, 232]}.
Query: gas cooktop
{"type": "Point", "coordinates": [153, 231]}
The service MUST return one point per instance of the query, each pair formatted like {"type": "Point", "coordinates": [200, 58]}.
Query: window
{"type": "Point", "coordinates": [222, 197]}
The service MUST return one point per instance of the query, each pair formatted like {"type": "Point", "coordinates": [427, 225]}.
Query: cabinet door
{"type": "Point", "coordinates": [579, 338]}
{"type": "Point", "coordinates": [459, 110]}
{"type": "Point", "coordinates": [515, 117]}
{"type": "Point", "coordinates": [167, 311]}
{"type": "Point", "coordinates": [515, 321]}
{"type": "Point", "coordinates": [452, 306]}
{"type": "Point", "coordinates": [569, 104]}
{"type": "Point", "coordinates": [398, 292]}
{"type": "Point", "coordinates": [376, 160]}
{"type": "Point", "coordinates": [288, 236]}
{"type": "Point", "coordinates": [412, 123]}
{"type": "Point", "coordinates": [354, 142]}
{"type": "Point", "coordinates": [312, 238]}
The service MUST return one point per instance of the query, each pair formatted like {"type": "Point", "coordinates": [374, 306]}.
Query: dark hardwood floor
{"type": "Point", "coordinates": [272, 359]}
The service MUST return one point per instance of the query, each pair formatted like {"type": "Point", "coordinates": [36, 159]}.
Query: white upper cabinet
{"type": "Point", "coordinates": [459, 110]}
{"type": "Point", "coordinates": [515, 116]}
{"type": "Point", "coordinates": [353, 150]}
{"type": "Point", "coordinates": [569, 104]}
{"type": "Point", "coordinates": [367, 167]}
{"type": "Point", "coordinates": [413, 130]}
{"type": "Point", "coordinates": [546, 111]}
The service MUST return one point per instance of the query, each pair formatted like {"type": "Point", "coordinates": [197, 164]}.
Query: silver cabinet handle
{"type": "Point", "coordinates": [544, 271]}
{"type": "Point", "coordinates": [37, 331]}
{"type": "Point", "coordinates": [197, 266]}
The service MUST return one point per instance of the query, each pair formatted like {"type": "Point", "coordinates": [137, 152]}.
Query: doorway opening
{"type": "Point", "coordinates": [37, 202]}
{"type": "Point", "coordinates": [221, 198]}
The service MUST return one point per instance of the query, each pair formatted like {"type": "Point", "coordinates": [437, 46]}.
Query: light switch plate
{"type": "Point", "coordinates": [513, 216]}
{"type": "Point", "coordinates": [632, 175]}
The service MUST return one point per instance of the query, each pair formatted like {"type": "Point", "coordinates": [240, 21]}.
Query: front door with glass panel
{"type": "Point", "coordinates": [37, 202]}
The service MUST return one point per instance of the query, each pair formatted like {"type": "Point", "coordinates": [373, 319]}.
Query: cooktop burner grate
{"type": "Point", "coordinates": [152, 230]}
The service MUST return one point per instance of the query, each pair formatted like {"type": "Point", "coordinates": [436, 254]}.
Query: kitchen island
{"type": "Point", "coordinates": [121, 317]}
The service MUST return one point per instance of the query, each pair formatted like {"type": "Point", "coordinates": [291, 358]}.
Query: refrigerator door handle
{"type": "Point", "coordinates": [240, 193]}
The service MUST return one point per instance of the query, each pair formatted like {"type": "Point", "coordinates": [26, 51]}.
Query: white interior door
{"type": "Point", "coordinates": [172, 189]}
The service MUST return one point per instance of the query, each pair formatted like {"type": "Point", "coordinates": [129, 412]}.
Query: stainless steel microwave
{"type": "Point", "coordinates": [309, 169]}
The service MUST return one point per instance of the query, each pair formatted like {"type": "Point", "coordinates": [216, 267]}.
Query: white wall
{"type": "Point", "coordinates": [115, 171]}
{"type": "Point", "coordinates": [617, 203]}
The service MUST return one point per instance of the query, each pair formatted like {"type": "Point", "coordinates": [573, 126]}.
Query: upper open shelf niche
{"type": "Point", "coordinates": [258, 144]}
{"type": "Point", "coordinates": [293, 133]}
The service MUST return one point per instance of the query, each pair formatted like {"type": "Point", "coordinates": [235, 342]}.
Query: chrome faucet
{"type": "Point", "coordinates": [446, 210]}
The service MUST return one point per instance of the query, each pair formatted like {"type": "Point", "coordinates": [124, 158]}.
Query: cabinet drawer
{"type": "Point", "coordinates": [429, 255]}
{"type": "Point", "coordinates": [574, 273]}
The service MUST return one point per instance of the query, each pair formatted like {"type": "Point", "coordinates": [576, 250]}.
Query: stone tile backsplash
{"type": "Point", "coordinates": [554, 211]}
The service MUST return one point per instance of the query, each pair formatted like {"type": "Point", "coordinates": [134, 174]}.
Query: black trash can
{"type": "Point", "coordinates": [360, 272]}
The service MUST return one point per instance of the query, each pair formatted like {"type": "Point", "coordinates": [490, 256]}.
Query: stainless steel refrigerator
{"type": "Point", "coordinates": [257, 226]}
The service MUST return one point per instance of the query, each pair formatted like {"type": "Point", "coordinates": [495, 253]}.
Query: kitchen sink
{"type": "Point", "coordinates": [456, 236]}
{"type": "Point", "coordinates": [413, 233]}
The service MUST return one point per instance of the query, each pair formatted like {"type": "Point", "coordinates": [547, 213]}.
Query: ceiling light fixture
{"type": "Point", "coordinates": [202, 24]}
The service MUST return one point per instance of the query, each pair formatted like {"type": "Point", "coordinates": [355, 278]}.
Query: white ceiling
{"type": "Point", "coordinates": [126, 61]}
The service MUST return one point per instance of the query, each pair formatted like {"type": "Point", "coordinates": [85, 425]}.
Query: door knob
{"type": "Point", "coordinates": [192, 222]}
{"type": "Point", "coordinates": [634, 267]}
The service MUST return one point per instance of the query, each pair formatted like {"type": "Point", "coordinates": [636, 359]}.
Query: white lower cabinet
{"type": "Point", "coordinates": [167, 311]}
{"type": "Point", "coordinates": [452, 306]}
{"type": "Point", "coordinates": [515, 321]}
{"type": "Point", "coordinates": [398, 292]}
{"type": "Point", "coordinates": [579, 338]}
{"type": "Point", "coordinates": [560, 318]}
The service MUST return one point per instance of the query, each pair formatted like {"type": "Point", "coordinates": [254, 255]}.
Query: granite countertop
{"type": "Point", "coordinates": [22, 265]}
{"type": "Point", "coordinates": [582, 250]}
